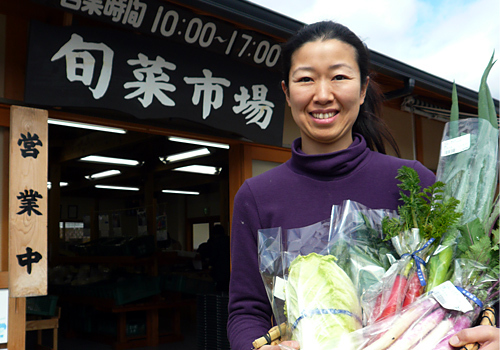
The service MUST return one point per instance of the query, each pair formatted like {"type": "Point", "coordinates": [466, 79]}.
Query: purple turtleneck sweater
{"type": "Point", "coordinates": [295, 194]}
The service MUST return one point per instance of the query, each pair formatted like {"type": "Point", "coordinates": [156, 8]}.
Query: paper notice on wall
{"type": "Point", "coordinates": [4, 315]}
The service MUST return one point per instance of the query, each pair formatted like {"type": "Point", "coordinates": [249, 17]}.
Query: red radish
{"type": "Point", "coordinates": [415, 289]}
{"type": "Point", "coordinates": [378, 304]}
{"type": "Point", "coordinates": [396, 298]}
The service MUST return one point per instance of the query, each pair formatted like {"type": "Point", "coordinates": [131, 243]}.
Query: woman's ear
{"type": "Point", "coordinates": [364, 88]}
{"type": "Point", "coordinates": [285, 91]}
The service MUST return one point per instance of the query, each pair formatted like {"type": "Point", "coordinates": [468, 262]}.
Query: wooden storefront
{"type": "Point", "coordinates": [248, 152]}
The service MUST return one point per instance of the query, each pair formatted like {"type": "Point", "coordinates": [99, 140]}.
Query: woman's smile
{"type": "Point", "coordinates": [324, 115]}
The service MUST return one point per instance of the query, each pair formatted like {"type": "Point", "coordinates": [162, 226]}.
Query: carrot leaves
{"type": "Point", "coordinates": [424, 209]}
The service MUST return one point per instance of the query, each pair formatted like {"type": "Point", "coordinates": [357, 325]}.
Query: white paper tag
{"type": "Point", "coordinates": [455, 145]}
{"type": "Point", "coordinates": [4, 315]}
{"type": "Point", "coordinates": [451, 298]}
{"type": "Point", "coordinates": [279, 288]}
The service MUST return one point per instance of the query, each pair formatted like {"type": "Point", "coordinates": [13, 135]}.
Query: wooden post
{"type": "Point", "coordinates": [17, 324]}
{"type": "Point", "coordinates": [54, 205]}
{"type": "Point", "coordinates": [28, 202]}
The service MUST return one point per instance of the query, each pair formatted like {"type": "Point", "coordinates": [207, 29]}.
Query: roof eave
{"type": "Point", "coordinates": [278, 25]}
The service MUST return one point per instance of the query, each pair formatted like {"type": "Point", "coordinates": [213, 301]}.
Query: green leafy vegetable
{"type": "Point", "coordinates": [426, 210]}
{"type": "Point", "coordinates": [486, 107]}
{"type": "Point", "coordinates": [471, 177]}
{"type": "Point", "coordinates": [454, 113]}
{"type": "Point", "coordinates": [480, 245]}
{"type": "Point", "coordinates": [321, 302]}
{"type": "Point", "coordinates": [364, 255]}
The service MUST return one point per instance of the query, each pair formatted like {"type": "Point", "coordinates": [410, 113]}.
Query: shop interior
{"type": "Point", "coordinates": [128, 261]}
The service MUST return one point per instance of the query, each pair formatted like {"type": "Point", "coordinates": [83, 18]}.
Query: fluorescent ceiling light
{"type": "Point", "coordinates": [198, 142]}
{"type": "Point", "coordinates": [87, 126]}
{"type": "Point", "coordinates": [186, 155]}
{"type": "Point", "coordinates": [61, 184]}
{"type": "Point", "coordinates": [181, 192]}
{"type": "Point", "coordinates": [100, 175]}
{"type": "Point", "coordinates": [200, 169]}
{"type": "Point", "coordinates": [123, 188]}
{"type": "Point", "coordinates": [109, 160]}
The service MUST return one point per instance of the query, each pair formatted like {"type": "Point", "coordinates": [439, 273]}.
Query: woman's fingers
{"type": "Point", "coordinates": [487, 336]}
{"type": "Point", "coordinates": [286, 345]}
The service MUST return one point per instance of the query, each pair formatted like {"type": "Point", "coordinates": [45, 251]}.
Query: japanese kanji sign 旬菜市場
{"type": "Point", "coordinates": [152, 79]}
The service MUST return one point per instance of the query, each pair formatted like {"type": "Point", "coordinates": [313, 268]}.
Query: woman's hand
{"type": "Point", "coordinates": [488, 337]}
{"type": "Point", "coordinates": [286, 345]}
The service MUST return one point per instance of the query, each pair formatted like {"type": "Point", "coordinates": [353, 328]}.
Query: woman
{"type": "Point", "coordinates": [340, 155]}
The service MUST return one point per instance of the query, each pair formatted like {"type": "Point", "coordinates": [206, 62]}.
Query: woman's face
{"type": "Point", "coordinates": [325, 94]}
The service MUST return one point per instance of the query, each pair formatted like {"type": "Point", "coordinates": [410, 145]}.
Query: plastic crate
{"type": "Point", "coordinates": [129, 290]}
{"type": "Point", "coordinates": [43, 306]}
{"type": "Point", "coordinates": [198, 286]}
{"type": "Point", "coordinates": [173, 283]}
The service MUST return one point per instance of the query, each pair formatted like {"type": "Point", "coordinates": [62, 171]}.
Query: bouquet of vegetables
{"type": "Point", "coordinates": [468, 165]}
{"type": "Point", "coordinates": [314, 292]}
{"type": "Point", "coordinates": [433, 318]}
{"type": "Point", "coordinates": [423, 218]}
{"type": "Point", "coordinates": [468, 170]}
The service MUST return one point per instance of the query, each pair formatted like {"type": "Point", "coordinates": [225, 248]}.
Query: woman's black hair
{"type": "Point", "coordinates": [369, 122]}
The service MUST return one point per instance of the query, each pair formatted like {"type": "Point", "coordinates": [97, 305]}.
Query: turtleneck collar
{"type": "Point", "coordinates": [330, 165]}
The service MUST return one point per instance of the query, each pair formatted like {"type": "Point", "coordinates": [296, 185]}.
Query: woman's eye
{"type": "Point", "coordinates": [305, 79]}
{"type": "Point", "coordinates": [339, 77]}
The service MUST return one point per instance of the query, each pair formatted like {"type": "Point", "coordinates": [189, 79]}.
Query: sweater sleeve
{"type": "Point", "coordinates": [249, 308]}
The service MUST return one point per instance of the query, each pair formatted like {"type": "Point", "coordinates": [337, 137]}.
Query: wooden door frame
{"type": "Point", "coordinates": [240, 164]}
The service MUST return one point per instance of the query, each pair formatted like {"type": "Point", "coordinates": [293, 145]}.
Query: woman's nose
{"type": "Point", "coordinates": [324, 93]}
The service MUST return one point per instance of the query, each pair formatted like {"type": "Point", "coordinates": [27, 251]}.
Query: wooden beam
{"type": "Point", "coordinates": [15, 56]}
{"type": "Point", "coordinates": [97, 142]}
{"type": "Point", "coordinates": [4, 237]}
{"type": "Point", "coordinates": [55, 213]}
{"type": "Point", "coordinates": [419, 143]}
{"type": "Point", "coordinates": [235, 175]}
{"type": "Point", "coordinates": [4, 115]}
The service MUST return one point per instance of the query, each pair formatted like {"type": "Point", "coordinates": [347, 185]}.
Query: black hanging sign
{"type": "Point", "coordinates": [151, 78]}
{"type": "Point", "coordinates": [176, 23]}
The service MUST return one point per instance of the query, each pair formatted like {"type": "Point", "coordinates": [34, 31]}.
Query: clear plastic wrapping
{"type": "Point", "coordinates": [431, 320]}
{"type": "Point", "coordinates": [314, 275]}
{"type": "Point", "coordinates": [323, 282]}
{"type": "Point", "coordinates": [468, 165]}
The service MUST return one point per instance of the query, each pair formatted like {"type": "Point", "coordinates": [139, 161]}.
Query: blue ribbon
{"type": "Point", "coordinates": [323, 312]}
{"type": "Point", "coordinates": [419, 261]}
{"type": "Point", "coordinates": [470, 296]}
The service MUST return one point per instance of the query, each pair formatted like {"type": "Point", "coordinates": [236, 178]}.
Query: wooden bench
{"type": "Point", "coordinates": [40, 323]}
